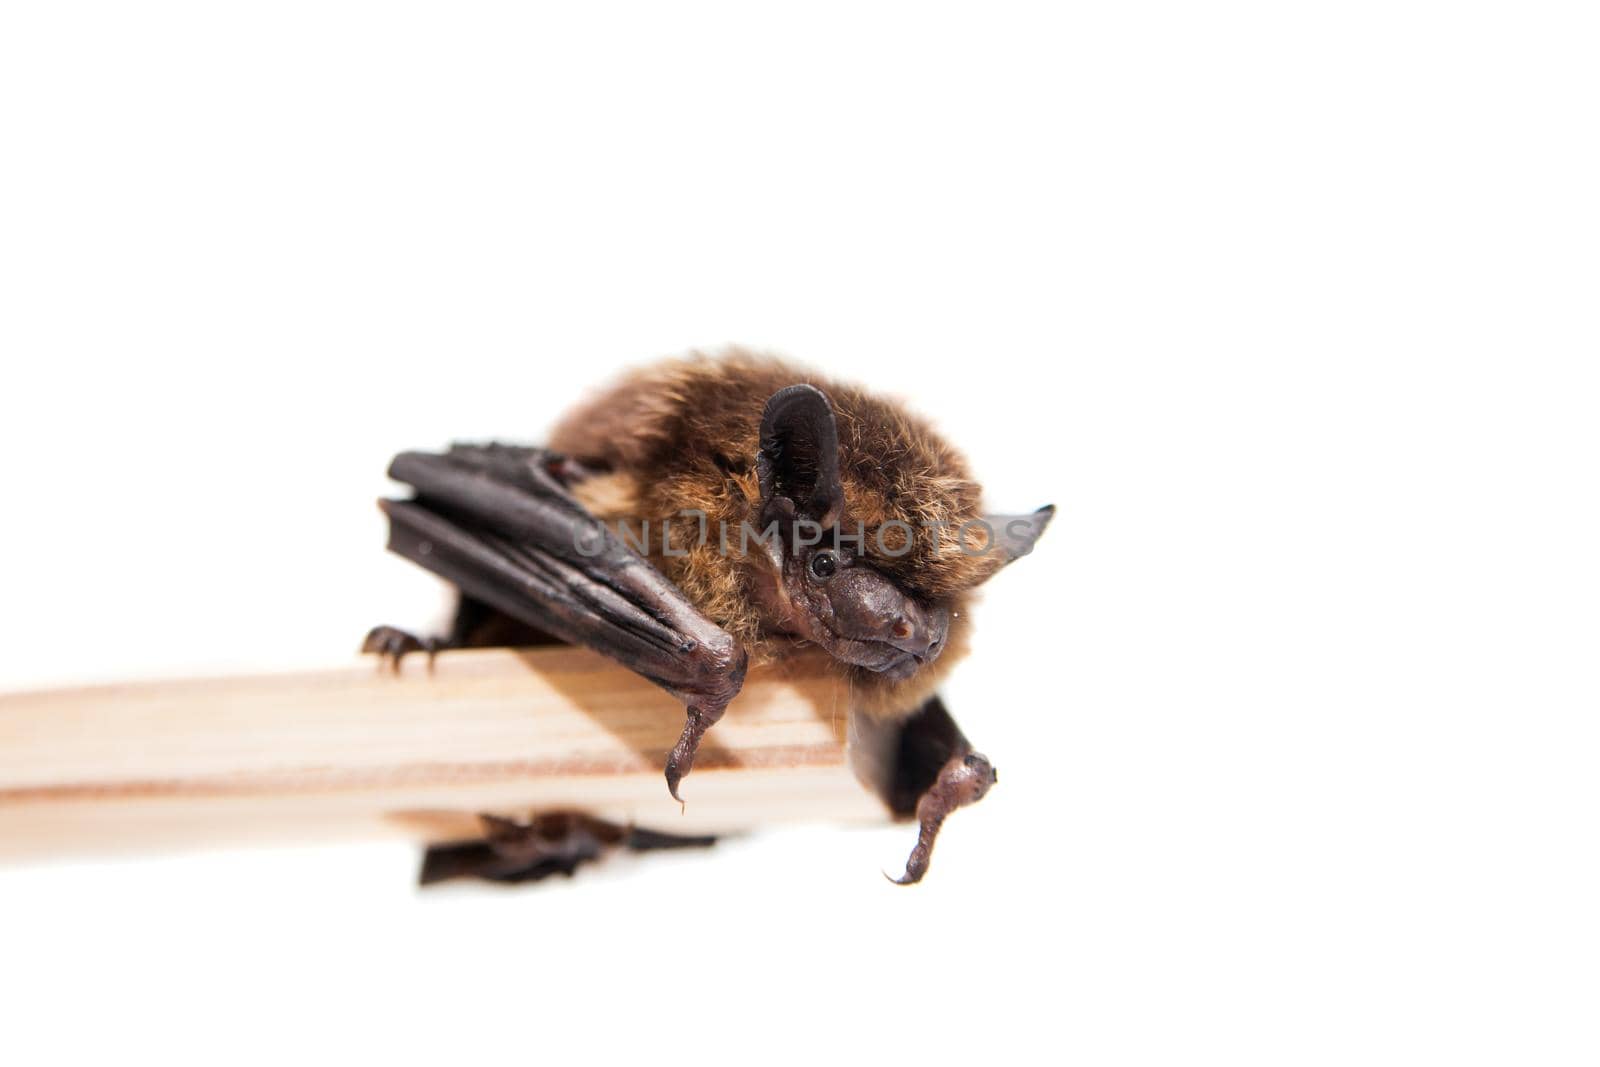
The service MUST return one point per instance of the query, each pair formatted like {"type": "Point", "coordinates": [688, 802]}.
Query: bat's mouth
{"type": "Point", "coordinates": [879, 657]}
{"type": "Point", "coordinates": [902, 667]}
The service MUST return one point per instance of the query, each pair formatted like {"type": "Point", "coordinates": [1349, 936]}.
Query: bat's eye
{"type": "Point", "coordinates": [823, 564]}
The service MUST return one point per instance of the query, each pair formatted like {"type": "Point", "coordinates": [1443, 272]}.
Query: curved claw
{"type": "Point", "coordinates": [391, 645]}
{"type": "Point", "coordinates": [681, 761]}
{"type": "Point", "coordinates": [917, 862]}
{"type": "Point", "coordinates": [963, 780]}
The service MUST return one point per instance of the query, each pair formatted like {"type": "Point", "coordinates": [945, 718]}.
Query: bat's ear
{"type": "Point", "coordinates": [799, 461]}
{"type": "Point", "coordinates": [1016, 534]}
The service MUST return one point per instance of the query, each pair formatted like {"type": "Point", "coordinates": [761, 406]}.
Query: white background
{"type": "Point", "coordinates": [1290, 310]}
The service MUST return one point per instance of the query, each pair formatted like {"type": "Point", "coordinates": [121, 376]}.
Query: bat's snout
{"type": "Point", "coordinates": [895, 633]}
{"type": "Point", "coordinates": [919, 631]}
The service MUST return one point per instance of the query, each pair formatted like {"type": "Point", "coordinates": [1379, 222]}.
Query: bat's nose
{"type": "Point", "coordinates": [869, 607]}
{"type": "Point", "coordinates": [919, 631]}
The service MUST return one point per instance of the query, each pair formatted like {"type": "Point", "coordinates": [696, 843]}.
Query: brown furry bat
{"type": "Point", "coordinates": [705, 513]}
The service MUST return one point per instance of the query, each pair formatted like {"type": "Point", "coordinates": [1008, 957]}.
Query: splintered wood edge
{"type": "Point", "coordinates": [355, 752]}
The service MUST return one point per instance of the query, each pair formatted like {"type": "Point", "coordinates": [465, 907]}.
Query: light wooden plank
{"type": "Point", "coordinates": [357, 753]}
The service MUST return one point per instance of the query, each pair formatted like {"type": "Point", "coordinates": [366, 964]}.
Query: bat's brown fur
{"type": "Point", "coordinates": [685, 434]}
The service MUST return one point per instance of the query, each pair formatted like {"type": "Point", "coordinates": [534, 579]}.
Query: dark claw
{"type": "Point", "coordinates": [963, 780]}
{"type": "Point", "coordinates": [391, 645]}
{"type": "Point", "coordinates": [681, 761]}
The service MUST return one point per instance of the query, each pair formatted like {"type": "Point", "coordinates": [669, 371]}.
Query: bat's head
{"type": "Point", "coordinates": [837, 580]}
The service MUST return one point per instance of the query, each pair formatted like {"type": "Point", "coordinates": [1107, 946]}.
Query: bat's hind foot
{"type": "Point", "coordinates": [391, 645]}
{"type": "Point", "coordinates": [963, 780]}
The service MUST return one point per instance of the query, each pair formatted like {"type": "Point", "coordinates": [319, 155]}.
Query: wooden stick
{"type": "Point", "coordinates": [355, 752]}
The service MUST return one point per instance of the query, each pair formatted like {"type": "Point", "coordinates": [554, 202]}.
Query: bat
{"type": "Point", "coordinates": [706, 513]}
